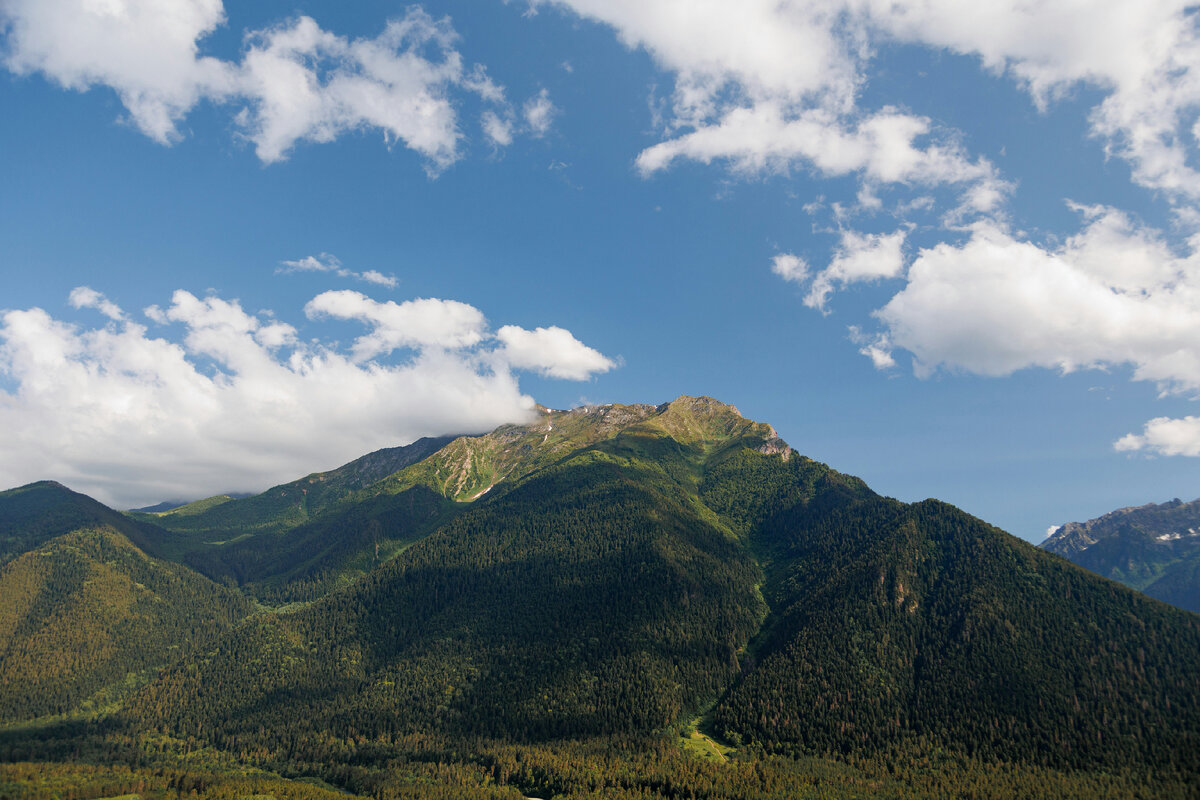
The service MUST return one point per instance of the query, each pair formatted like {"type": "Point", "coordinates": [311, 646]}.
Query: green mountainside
{"type": "Point", "coordinates": [618, 601]}
{"type": "Point", "coordinates": [297, 540]}
{"type": "Point", "coordinates": [290, 504]}
{"type": "Point", "coordinates": [1152, 548]}
{"type": "Point", "coordinates": [34, 514]}
{"type": "Point", "coordinates": [87, 616]}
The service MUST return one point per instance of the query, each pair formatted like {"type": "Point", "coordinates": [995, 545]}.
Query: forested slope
{"type": "Point", "coordinates": [88, 615]}
{"type": "Point", "coordinates": [546, 609]}
{"type": "Point", "coordinates": [896, 623]}
{"type": "Point", "coordinates": [34, 514]}
{"type": "Point", "coordinates": [617, 591]}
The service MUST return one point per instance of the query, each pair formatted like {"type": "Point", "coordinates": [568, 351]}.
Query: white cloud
{"type": "Point", "coordinates": [85, 297]}
{"type": "Point", "coordinates": [754, 79]}
{"type": "Point", "coordinates": [1143, 56]}
{"type": "Point", "coordinates": [306, 84]}
{"type": "Point", "coordinates": [539, 113]}
{"type": "Point", "coordinates": [879, 147]}
{"type": "Point", "coordinates": [329, 263]}
{"type": "Point", "coordinates": [878, 348]}
{"type": "Point", "coordinates": [1165, 436]}
{"type": "Point", "coordinates": [295, 83]}
{"type": "Point", "coordinates": [144, 49]}
{"type": "Point", "coordinates": [379, 279]}
{"type": "Point", "coordinates": [790, 267]}
{"type": "Point", "coordinates": [425, 322]}
{"type": "Point", "coordinates": [499, 130]}
{"type": "Point", "coordinates": [860, 257]}
{"type": "Point", "coordinates": [1112, 295]}
{"type": "Point", "coordinates": [764, 85]}
{"type": "Point", "coordinates": [240, 403]}
{"type": "Point", "coordinates": [552, 351]}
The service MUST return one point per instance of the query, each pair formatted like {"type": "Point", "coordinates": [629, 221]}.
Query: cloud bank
{"type": "Point", "coordinates": [295, 82]}
{"type": "Point", "coordinates": [126, 414]}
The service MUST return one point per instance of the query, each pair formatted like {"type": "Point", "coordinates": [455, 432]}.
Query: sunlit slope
{"type": "Point", "coordinates": [290, 504]}
{"type": "Point", "coordinates": [299, 540]}
{"type": "Point", "coordinates": [88, 615]}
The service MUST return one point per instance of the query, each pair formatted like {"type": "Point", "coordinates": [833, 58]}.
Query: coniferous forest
{"type": "Point", "coordinates": [615, 601]}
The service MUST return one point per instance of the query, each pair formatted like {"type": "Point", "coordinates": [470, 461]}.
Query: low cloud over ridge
{"type": "Point", "coordinates": [123, 413]}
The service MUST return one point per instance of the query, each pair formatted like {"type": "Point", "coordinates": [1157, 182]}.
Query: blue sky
{"type": "Point", "coordinates": [951, 253]}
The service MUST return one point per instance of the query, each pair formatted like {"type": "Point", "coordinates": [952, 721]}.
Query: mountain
{"type": "Point", "coordinates": [1152, 548]}
{"type": "Point", "coordinates": [87, 616]}
{"type": "Point", "coordinates": [290, 504]}
{"type": "Point", "coordinates": [624, 601]}
{"type": "Point", "coordinates": [681, 562]}
{"type": "Point", "coordinates": [34, 514]}
{"type": "Point", "coordinates": [294, 541]}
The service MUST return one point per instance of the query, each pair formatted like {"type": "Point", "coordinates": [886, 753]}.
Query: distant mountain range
{"type": "Point", "coordinates": [637, 601]}
{"type": "Point", "coordinates": [1153, 548]}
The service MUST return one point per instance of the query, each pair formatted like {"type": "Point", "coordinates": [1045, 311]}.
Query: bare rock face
{"type": "Point", "coordinates": [773, 445]}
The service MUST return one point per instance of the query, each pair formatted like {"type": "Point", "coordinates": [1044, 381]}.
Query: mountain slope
{"type": "Point", "coordinates": [1152, 548]}
{"type": "Point", "coordinates": [88, 615]}
{"type": "Point", "coordinates": [654, 560]}
{"type": "Point", "coordinates": [595, 596]}
{"type": "Point", "coordinates": [296, 540]}
{"type": "Point", "coordinates": [897, 624]}
{"type": "Point", "coordinates": [290, 504]}
{"type": "Point", "coordinates": [34, 514]}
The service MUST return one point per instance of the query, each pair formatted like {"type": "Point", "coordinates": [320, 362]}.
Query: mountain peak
{"type": "Point", "coordinates": [702, 404]}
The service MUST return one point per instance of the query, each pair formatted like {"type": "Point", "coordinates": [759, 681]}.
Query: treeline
{"type": "Point", "coordinates": [424, 767]}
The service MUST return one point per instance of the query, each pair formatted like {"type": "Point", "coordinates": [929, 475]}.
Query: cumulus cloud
{"type": "Point", "coordinates": [876, 347]}
{"type": "Point", "coordinates": [552, 351]}
{"type": "Point", "coordinates": [1165, 436]}
{"type": "Point", "coordinates": [498, 129]}
{"type": "Point", "coordinates": [880, 147]}
{"type": "Point", "coordinates": [144, 49]}
{"type": "Point", "coordinates": [790, 267]}
{"type": "Point", "coordinates": [425, 322]}
{"type": "Point", "coordinates": [296, 82]}
{"type": "Point", "coordinates": [86, 297]}
{"type": "Point", "coordinates": [328, 263]}
{"type": "Point", "coordinates": [860, 257]}
{"type": "Point", "coordinates": [235, 401]}
{"type": "Point", "coordinates": [763, 83]}
{"type": "Point", "coordinates": [1142, 56]}
{"type": "Point", "coordinates": [1114, 294]}
{"type": "Point", "coordinates": [306, 84]}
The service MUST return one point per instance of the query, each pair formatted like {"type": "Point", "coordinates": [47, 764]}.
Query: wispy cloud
{"type": "Point", "coordinates": [539, 113]}
{"type": "Point", "coordinates": [328, 263]}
